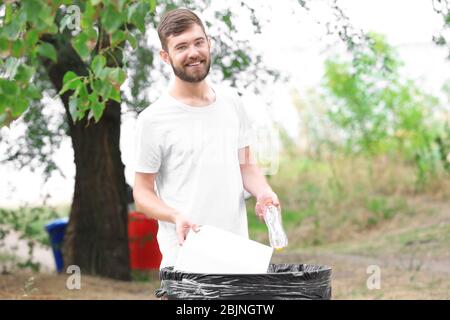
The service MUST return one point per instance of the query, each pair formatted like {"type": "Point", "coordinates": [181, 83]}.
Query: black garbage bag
{"type": "Point", "coordinates": [281, 282]}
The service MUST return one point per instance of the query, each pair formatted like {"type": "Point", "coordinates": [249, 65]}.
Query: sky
{"type": "Point", "coordinates": [292, 43]}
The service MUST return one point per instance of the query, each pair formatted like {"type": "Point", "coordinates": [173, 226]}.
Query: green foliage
{"type": "Point", "coordinates": [381, 208]}
{"type": "Point", "coordinates": [44, 132]}
{"type": "Point", "coordinates": [106, 27]}
{"type": "Point", "coordinates": [380, 111]}
{"type": "Point", "coordinates": [129, 55]}
{"type": "Point", "coordinates": [35, 32]}
{"type": "Point", "coordinates": [47, 50]}
{"type": "Point", "coordinates": [30, 223]}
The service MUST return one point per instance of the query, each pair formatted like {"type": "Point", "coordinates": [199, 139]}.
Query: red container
{"type": "Point", "coordinates": [144, 248]}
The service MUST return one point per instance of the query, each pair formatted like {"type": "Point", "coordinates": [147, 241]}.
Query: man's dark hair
{"type": "Point", "coordinates": [175, 22]}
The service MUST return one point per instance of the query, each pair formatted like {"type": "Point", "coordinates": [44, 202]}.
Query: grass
{"type": "Point", "coordinates": [340, 199]}
{"type": "Point", "coordinates": [434, 237]}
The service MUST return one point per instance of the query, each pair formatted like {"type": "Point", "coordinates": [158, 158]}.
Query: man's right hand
{"type": "Point", "coordinates": [183, 225]}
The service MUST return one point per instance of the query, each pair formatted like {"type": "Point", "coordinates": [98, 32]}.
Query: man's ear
{"type": "Point", "coordinates": [164, 56]}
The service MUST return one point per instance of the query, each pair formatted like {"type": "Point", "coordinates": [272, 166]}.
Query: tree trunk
{"type": "Point", "coordinates": [96, 238]}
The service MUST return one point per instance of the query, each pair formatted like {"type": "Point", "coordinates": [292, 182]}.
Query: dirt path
{"type": "Point", "coordinates": [401, 278]}
{"type": "Point", "coordinates": [26, 285]}
{"type": "Point", "coordinates": [412, 256]}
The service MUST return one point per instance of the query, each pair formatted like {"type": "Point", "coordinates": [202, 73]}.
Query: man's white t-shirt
{"type": "Point", "coordinates": [195, 152]}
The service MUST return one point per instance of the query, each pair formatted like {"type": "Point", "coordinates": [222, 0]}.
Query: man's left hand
{"type": "Point", "coordinates": [263, 201]}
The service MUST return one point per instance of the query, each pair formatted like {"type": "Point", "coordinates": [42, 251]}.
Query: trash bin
{"type": "Point", "coordinates": [56, 230]}
{"type": "Point", "coordinates": [281, 282]}
{"type": "Point", "coordinates": [144, 249]}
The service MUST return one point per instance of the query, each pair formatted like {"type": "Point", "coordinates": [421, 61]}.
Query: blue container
{"type": "Point", "coordinates": [56, 230]}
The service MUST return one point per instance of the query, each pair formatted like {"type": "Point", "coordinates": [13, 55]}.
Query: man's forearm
{"type": "Point", "coordinates": [148, 203]}
{"type": "Point", "coordinates": [253, 179]}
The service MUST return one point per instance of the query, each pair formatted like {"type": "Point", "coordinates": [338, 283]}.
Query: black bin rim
{"type": "Point", "coordinates": [316, 270]}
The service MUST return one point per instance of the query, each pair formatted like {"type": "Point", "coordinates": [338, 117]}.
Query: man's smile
{"type": "Point", "coordinates": [194, 64]}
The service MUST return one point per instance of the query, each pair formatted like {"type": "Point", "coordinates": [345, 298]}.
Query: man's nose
{"type": "Point", "coordinates": [193, 52]}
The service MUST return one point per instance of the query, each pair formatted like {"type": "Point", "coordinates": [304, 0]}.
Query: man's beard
{"type": "Point", "coordinates": [193, 78]}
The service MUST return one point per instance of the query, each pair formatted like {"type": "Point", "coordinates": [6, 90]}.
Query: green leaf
{"type": "Point", "coordinates": [88, 16]}
{"type": "Point", "coordinates": [111, 19]}
{"type": "Point", "coordinates": [105, 73]}
{"type": "Point", "coordinates": [152, 5]}
{"type": "Point", "coordinates": [33, 92]}
{"type": "Point", "coordinates": [21, 104]}
{"type": "Point", "coordinates": [73, 102]}
{"type": "Point", "coordinates": [91, 34]}
{"type": "Point", "coordinates": [98, 63]}
{"type": "Point", "coordinates": [83, 95]}
{"type": "Point", "coordinates": [3, 104]}
{"type": "Point", "coordinates": [24, 73]}
{"type": "Point", "coordinates": [69, 76]}
{"type": "Point", "coordinates": [120, 4]}
{"type": "Point", "coordinates": [4, 44]}
{"type": "Point", "coordinates": [136, 15]}
{"type": "Point", "coordinates": [226, 18]}
{"type": "Point", "coordinates": [117, 76]}
{"type": "Point", "coordinates": [12, 30]}
{"type": "Point", "coordinates": [102, 88]}
{"type": "Point", "coordinates": [33, 10]}
{"type": "Point", "coordinates": [47, 17]}
{"type": "Point", "coordinates": [93, 97]}
{"type": "Point", "coordinates": [11, 66]}
{"type": "Point", "coordinates": [131, 11]}
{"type": "Point", "coordinates": [31, 38]}
{"type": "Point", "coordinates": [80, 44]}
{"type": "Point", "coordinates": [53, 29]}
{"type": "Point", "coordinates": [9, 88]}
{"type": "Point", "coordinates": [70, 82]}
{"type": "Point", "coordinates": [47, 50]}
{"type": "Point", "coordinates": [117, 37]}
{"type": "Point", "coordinates": [105, 90]}
{"type": "Point", "coordinates": [97, 109]}
{"type": "Point", "coordinates": [8, 13]}
{"type": "Point", "coordinates": [17, 48]}
{"type": "Point", "coordinates": [96, 85]}
{"type": "Point", "coordinates": [132, 40]}
{"type": "Point", "coordinates": [115, 95]}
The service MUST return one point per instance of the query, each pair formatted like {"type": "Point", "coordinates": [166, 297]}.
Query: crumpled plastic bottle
{"type": "Point", "coordinates": [277, 236]}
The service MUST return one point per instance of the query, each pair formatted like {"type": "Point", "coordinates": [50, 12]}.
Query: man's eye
{"type": "Point", "coordinates": [181, 47]}
{"type": "Point", "coordinates": [199, 43]}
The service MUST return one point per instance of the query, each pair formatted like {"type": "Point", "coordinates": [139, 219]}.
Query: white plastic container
{"type": "Point", "coordinates": [213, 250]}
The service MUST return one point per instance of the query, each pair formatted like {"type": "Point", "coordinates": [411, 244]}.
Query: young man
{"type": "Point", "coordinates": [194, 143]}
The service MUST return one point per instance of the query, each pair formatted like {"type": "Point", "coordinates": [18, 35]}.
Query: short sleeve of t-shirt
{"type": "Point", "coordinates": [148, 146]}
{"type": "Point", "coordinates": [245, 125]}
